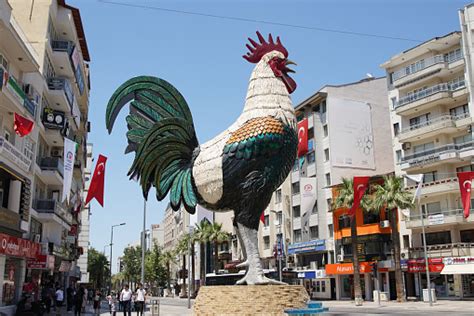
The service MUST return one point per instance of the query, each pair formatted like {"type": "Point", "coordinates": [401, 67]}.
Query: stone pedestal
{"type": "Point", "coordinates": [249, 299]}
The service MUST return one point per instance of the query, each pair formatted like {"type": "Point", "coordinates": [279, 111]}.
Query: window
{"type": "Point", "coordinates": [420, 121]}
{"type": "Point", "coordinates": [297, 235]}
{"type": "Point", "coordinates": [295, 188]}
{"type": "Point", "coordinates": [325, 130]}
{"type": "Point", "coordinates": [344, 221]}
{"type": "Point", "coordinates": [3, 62]}
{"type": "Point", "coordinates": [423, 147]}
{"type": "Point", "coordinates": [394, 102]}
{"type": "Point", "coordinates": [465, 168]}
{"type": "Point", "coordinates": [28, 148]}
{"type": "Point", "coordinates": [398, 153]}
{"type": "Point", "coordinates": [371, 217]}
{"type": "Point", "coordinates": [431, 208]}
{"type": "Point", "coordinates": [328, 179]}
{"type": "Point", "coordinates": [315, 208]}
{"type": "Point", "coordinates": [396, 129]}
{"type": "Point", "coordinates": [266, 220]}
{"type": "Point", "coordinates": [438, 238]}
{"type": "Point", "coordinates": [329, 204]}
{"type": "Point", "coordinates": [323, 107]}
{"type": "Point", "coordinates": [467, 235]}
{"type": "Point", "coordinates": [406, 241]}
{"type": "Point", "coordinates": [314, 232]}
{"type": "Point", "coordinates": [48, 69]}
{"type": "Point", "coordinates": [390, 77]}
{"type": "Point", "coordinates": [317, 108]}
{"type": "Point", "coordinates": [430, 176]}
{"type": "Point", "coordinates": [453, 55]}
{"type": "Point", "coordinates": [463, 139]}
{"type": "Point", "coordinates": [296, 165]}
{"type": "Point", "coordinates": [459, 111]}
{"type": "Point", "coordinates": [8, 136]}
{"type": "Point", "coordinates": [326, 154]}
{"type": "Point", "coordinates": [278, 196]}
{"type": "Point", "coordinates": [318, 288]}
{"type": "Point", "coordinates": [456, 83]}
{"type": "Point", "coordinates": [310, 133]}
{"type": "Point", "coordinates": [266, 242]}
{"type": "Point", "coordinates": [323, 286]}
{"type": "Point", "coordinates": [330, 230]}
{"type": "Point", "coordinates": [279, 218]}
{"type": "Point", "coordinates": [296, 211]}
{"type": "Point", "coordinates": [311, 158]}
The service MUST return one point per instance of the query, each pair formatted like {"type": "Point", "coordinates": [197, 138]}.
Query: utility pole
{"type": "Point", "coordinates": [142, 278]}
{"type": "Point", "coordinates": [111, 244]}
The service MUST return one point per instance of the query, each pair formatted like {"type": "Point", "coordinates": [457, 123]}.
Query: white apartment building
{"type": "Point", "coordinates": [45, 77]}
{"type": "Point", "coordinates": [430, 96]}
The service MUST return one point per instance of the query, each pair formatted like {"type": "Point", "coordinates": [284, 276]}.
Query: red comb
{"type": "Point", "coordinates": [258, 50]}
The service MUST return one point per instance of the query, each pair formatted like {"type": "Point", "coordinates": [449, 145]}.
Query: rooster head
{"type": "Point", "coordinates": [275, 55]}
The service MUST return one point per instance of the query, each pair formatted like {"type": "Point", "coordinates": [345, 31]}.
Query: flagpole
{"type": "Point", "coordinates": [425, 252]}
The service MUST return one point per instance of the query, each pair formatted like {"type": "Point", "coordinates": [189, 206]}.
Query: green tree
{"type": "Point", "coordinates": [201, 236]}
{"type": "Point", "coordinates": [98, 268]}
{"type": "Point", "coordinates": [345, 199]}
{"type": "Point", "coordinates": [155, 271]}
{"type": "Point", "coordinates": [167, 258]}
{"type": "Point", "coordinates": [132, 257]}
{"type": "Point", "coordinates": [392, 196]}
{"type": "Point", "coordinates": [216, 236]}
{"type": "Point", "coordinates": [182, 248]}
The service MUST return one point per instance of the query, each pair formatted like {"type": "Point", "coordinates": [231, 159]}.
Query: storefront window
{"type": "Point", "coordinates": [371, 217]}
{"type": "Point", "coordinates": [10, 279]}
{"type": "Point", "coordinates": [344, 221]}
{"type": "Point", "coordinates": [467, 235]}
{"type": "Point", "coordinates": [438, 238]}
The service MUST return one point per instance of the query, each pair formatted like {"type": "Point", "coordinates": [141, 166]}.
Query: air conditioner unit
{"type": "Point", "coordinates": [37, 238]}
{"type": "Point", "coordinates": [406, 146]}
{"type": "Point", "coordinates": [56, 152]}
{"type": "Point", "coordinates": [31, 92]}
{"type": "Point", "coordinates": [384, 224]}
{"type": "Point", "coordinates": [340, 258]}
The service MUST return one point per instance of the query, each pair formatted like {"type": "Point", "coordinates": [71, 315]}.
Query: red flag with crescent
{"type": "Point", "coordinates": [465, 179]}
{"type": "Point", "coordinates": [96, 189]}
{"type": "Point", "coordinates": [360, 186]}
{"type": "Point", "coordinates": [302, 137]}
{"type": "Point", "coordinates": [262, 217]}
{"type": "Point", "coordinates": [22, 125]}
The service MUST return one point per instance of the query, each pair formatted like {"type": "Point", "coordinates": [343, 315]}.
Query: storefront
{"type": "Point", "coordinates": [317, 284]}
{"type": "Point", "coordinates": [444, 285]}
{"type": "Point", "coordinates": [13, 254]}
{"type": "Point", "coordinates": [461, 271]}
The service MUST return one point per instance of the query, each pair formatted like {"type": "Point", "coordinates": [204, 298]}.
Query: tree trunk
{"type": "Point", "coordinates": [193, 274]}
{"type": "Point", "coordinates": [168, 272]}
{"type": "Point", "coordinates": [202, 263]}
{"type": "Point", "coordinates": [396, 256]}
{"type": "Point", "coordinates": [216, 257]}
{"type": "Point", "coordinates": [183, 288]}
{"type": "Point", "coordinates": [355, 261]}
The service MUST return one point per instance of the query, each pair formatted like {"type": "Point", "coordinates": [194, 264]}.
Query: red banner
{"type": "Point", "coordinates": [19, 247]}
{"type": "Point", "coordinates": [464, 179]}
{"type": "Point", "coordinates": [22, 125]}
{"type": "Point", "coordinates": [360, 186]}
{"type": "Point", "coordinates": [96, 188]}
{"type": "Point", "coordinates": [418, 265]}
{"type": "Point", "coordinates": [302, 137]}
{"type": "Point", "coordinates": [39, 263]}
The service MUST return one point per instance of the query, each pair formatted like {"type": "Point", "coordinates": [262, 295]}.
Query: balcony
{"type": "Point", "coordinates": [442, 124]}
{"type": "Point", "coordinates": [9, 152]}
{"type": "Point", "coordinates": [439, 186]}
{"type": "Point", "coordinates": [428, 97]}
{"type": "Point", "coordinates": [439, 219]}
{"type": "Point", "coordinates": [61, 93]}
{"type": "Point", "coordinates": [446, 153]}
{"type": "Point", "coordinates": [13, 92]}
{"type": "Point", "coordinates": [61, 57]}
{"type": "Point", "coordinates": [52, 169]}
{"type": "Point", "coordinates": [443, 250]}
{"type": "Point", "coordinates": [52, 211]}
{"type": "Point", "coordinates": [437, 64]}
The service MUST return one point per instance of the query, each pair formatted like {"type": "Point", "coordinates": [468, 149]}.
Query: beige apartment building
{"type": "Point", "coordinates": [430, 96]}
{"type": "Point", "coordinates": [45, 78]}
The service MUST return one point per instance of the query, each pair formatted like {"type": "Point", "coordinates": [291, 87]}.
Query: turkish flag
{"type": "Point", "coordinates": [262, 217]}
{"type": "Point", "coordinates": [360, 186]}
{"type": "Point", "coordinates": [302, 137]}
{"type": "Point", "coordinates": [96, 189]}
{"type": "Point", "coordinates": [464, 179]}
{"type": "Point", "coordinates": [22, 125]}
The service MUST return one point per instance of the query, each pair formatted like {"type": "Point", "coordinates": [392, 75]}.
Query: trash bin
{"type": "Point", "coordinates": [155, 307]}
{"type": "Point", "coordinates": [426, 297]}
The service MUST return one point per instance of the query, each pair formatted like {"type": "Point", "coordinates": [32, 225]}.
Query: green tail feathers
{"type": "Point", "coordinates": [161, 132]}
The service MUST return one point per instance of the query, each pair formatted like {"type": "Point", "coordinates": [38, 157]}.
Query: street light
{"type": "Point", "coordinates": [111, 244]}
{"type": "Point", "coordinates": [105, 246]}
{"type": "Point", "coordinates": [280, 234]}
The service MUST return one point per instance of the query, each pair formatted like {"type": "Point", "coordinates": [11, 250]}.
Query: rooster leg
{"type": "Point", "coordinates": [254, 273]}
{"type": "Point", "coordinates": [242, 246]}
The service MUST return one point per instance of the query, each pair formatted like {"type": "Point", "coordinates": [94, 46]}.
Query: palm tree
{"type": "Point", "coordinates": [345, 199]}
{"type": "Point", "coordinates": [217, 235]}
{"type": "Point", "coordinates": [182, 248]}
{"type": "Point", "coordinates": [201, 236]}
{"type": "Point", "coordinates": [168, 257]}
{"type": "Point", "coordinates": [392, 195]}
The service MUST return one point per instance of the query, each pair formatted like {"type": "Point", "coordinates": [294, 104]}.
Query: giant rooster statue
{"type": "Point", "coordinates": [237, 170]}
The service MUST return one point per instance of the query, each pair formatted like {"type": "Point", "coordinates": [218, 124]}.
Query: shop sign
{"type": "Point", "coordinates": [307, 246]}
{"type": "Point", "coordinates": [418, 265]}
{"type": "Point", "coordinates": [436, 219]}
{"type": "Point", "coordinates": [10, 151]}
{"type": "Point", "coordinates": [458, 260]}
{"type": "Point", "coordinates": [71, 239]}
{"type": "Point", "coordinates": [65, 266]}
{"type": "Point", "coordinates": [53, 119]}
{"type": "Point", "coordinates": [39, 263]}
{"type": "Point", "coordinates": [18, 247]}
{"type": "Point", "coordinates": [9, 219]}
{"type": "Point", "coordinates": [347, 268]}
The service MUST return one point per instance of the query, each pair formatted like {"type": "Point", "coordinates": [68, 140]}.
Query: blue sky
{"type": "Point", "coordinates": [201, 57]}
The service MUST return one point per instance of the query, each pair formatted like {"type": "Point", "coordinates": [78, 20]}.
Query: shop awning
{"type": "Point", "coordinates": [467, 268]}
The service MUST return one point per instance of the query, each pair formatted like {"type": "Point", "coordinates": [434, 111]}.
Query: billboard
{"type": "Point", "coordinates": [350, 134]}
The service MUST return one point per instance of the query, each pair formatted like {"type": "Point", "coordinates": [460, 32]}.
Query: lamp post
{"type": "Point", "coordinates": [143, 245]}
{"type": "Point", "coordinates": [111, 244]}
{"type": "Point", "coordinates": [191, 230]}
{"type": "Point", "coordinates": [280, 246]}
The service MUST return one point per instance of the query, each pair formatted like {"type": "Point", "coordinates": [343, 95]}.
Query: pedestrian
{"type": "Point", "coordinates": [46, 296]}
{"type": "Point", "coordinates": [119, 300]}
{"type": "Point", "coordinates": [113, 305]}
{"type": "Point", "coordinates": [109, 301]}
{"type": "Point", "coordinates": [126, 298]}
{"type": "Point", "coordinates": [140, 300]}
{"type": "Point", "coordinates": [78, 301]}
{"type": "Point", "coordinates": [59, 300]}
{"type": "Point", "coordinates": [90, 295]}
{"type": "Point", "coordinates": [133, 302]}
{"type": "Point", "coordinates": [97, 298]}
{"type": "Point", "coordinates": [70, 292]}
{"type": "Point", "coordinates": [84, 300]}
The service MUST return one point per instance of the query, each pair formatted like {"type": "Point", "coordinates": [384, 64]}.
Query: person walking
{"type": "Point", "coordinates": [78, 301]}
{"type": "Point", "coordinates": [97, 298]}
{"type": "Point", "coordinates": [126, 298]}
{"type": "Point", "coordinates": [140, 300]}
{"type": "Point", "coordinates": [59, 300]}
{"type": "Point", "coordinates": [70, 293]}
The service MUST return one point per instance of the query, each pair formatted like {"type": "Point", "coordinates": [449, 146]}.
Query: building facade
{"type": "Point", "coordinates": [45, 78]}
{"type": "Point", "coordinates": [430, 95]}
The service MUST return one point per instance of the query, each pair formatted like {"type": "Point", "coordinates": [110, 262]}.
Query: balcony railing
{"type": "Point", "coordinates": [434, 182]}
{"type": "Point", "coordinates": [437, 151]}
{"type": "Point", "coordinates": [427, 62]}
{"type": "Point", "coordinates": [58, 83]}
{"type": "Point", "coordinates": [434, 121]}
{"type": "Point", "coordinates": [442, 87]}
{"type": "Point", "coordinates": [52, 163]}
{"type": "Point", "coordinates": [54, 207]}
{"type": "Point", "coordinates": [459, 249]}
{"type": "Point", "coordinates": [62, 46]}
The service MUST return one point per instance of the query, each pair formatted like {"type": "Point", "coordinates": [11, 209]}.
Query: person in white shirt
{"type": "Point", "coordinates": [59, 300]}
{"type": "Point", "coordinates": [140, 301]}
{"type": "Point", "coordinates": [126, 298]}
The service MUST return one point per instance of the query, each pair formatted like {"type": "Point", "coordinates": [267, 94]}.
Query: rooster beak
{"type": "Point", "coordinates": [289, 62]}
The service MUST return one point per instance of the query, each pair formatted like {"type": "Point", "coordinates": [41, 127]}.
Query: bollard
{"type": "Point", "coordinates": [155, 307]}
